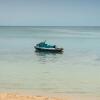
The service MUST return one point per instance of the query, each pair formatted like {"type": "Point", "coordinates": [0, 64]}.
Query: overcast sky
{"type": "Point", "coordinates": [50, 12]}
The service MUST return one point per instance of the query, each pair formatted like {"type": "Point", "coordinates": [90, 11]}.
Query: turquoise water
{"type": "Point", "coordinates": [76, 70]}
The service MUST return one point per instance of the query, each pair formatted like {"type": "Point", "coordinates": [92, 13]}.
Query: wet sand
{"type": "Point", "coordinates": [13, 96]}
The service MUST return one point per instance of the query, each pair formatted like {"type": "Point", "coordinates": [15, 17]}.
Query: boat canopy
{"type": "Point", "coordinates": [45, 45]}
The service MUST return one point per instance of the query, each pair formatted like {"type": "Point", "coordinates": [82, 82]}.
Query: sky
{"type": "Point", "coordinates": [49, 12]}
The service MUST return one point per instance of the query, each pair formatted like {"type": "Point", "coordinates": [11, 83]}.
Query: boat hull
{"type": "Point", "coordinates": [49, 50]}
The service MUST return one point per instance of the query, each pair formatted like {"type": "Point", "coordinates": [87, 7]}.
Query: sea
{"type": "Point", "coordinates": [74, 71]}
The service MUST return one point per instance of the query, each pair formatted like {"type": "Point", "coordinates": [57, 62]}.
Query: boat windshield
{"type": "Point", "coordinates": [44, 44]}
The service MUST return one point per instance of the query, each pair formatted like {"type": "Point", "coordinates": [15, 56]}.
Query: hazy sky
{"type": "Point", "coordinates": [50, 12]}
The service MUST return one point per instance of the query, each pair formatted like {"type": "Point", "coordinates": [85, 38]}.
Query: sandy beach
{"type": "Point", "coordinates": [14, 96]}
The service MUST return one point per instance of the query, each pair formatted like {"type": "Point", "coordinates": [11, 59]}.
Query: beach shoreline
{"type": "Point", "coordinates": [22, 96]}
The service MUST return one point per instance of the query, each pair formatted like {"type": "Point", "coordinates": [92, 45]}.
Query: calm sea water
{"type": "Point", "coordinates": [76, 70]}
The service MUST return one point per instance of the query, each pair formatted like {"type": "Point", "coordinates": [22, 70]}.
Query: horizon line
{"type": "Point", "coordinates": [48, 26]}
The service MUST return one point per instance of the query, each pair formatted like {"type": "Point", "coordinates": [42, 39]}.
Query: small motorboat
{"type": "Point", "coordinates": [44, 47]}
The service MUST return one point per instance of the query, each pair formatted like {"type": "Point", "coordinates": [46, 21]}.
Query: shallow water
{"type": "Point", "coordinates": [76, 70]}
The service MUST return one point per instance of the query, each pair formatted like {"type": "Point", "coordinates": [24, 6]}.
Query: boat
{"type": "Point", "coordinates": [44, 47]}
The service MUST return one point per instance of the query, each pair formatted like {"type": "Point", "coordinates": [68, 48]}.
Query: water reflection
{"type": "Point", "coordinates": [48, 57]}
